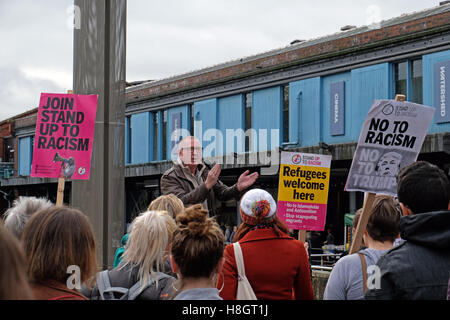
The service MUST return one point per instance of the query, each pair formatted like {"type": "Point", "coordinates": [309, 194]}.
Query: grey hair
{"type": "Point", "coordinates": [17, 216]}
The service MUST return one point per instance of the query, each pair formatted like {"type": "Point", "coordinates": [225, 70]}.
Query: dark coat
{"type": "Point", "coordinates": [126, 277]}
{"type": "Point", "coordinates": [419, 267]}
{"type": "Point", "coordinates": [175, 181]}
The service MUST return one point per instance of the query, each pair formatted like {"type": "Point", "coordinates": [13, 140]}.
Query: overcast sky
{"type": "Point", "coordinates": [167, 37]}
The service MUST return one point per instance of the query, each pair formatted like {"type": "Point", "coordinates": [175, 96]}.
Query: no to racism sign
{"type": "Point", "coordinates": [391, 138]}
{"type": "Point", "coordinates": [64, 136]}
{"type": "Point", "coordinates": [303, 190]}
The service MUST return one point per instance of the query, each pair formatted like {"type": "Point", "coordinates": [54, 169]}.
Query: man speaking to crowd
{"type": "Point", "coordinates": [190, 180]}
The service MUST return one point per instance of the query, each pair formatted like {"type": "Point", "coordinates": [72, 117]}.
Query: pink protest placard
{"type": "Point", "coordinates": [64, 136]}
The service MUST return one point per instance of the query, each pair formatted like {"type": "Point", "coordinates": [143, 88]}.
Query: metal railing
{"type": "Point", "coordinates": [321, 268]}
{"type": "Point", "coordinates": [327, 256]}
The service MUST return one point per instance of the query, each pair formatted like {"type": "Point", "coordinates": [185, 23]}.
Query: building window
{"type": "Point", "coordinates": [8, 150]}
{"type": "Point", "coordinates": [408, 79]}
{"type": "Point", "coordinates": [191, 126]}
{"type": "Point", "coordinates": [416, 81]}
{"type": "Point", "coordinates": [129, 139]}
{"type": "Point", "coordinates": [155, 136]}
{"type": "Point", "coordinates": [400, 76]}
{"type": "Point", "coordinates": [248, 120]}
{"type": "Point", "coordinates": [286, 113]}
{"type": "Point", "coordinates": [32, 148]}
{"type": "Point", "coordinates": [25, 155]}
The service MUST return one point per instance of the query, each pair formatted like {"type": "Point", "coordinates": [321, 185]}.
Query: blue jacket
{"type": "Point", "coordinates": [120, 251]}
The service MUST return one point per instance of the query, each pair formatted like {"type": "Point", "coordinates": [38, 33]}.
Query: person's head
{"type": "Point", "coordinates": [148, 243]}
{"type": "Point", "coordinates": [198, 244]}
{"type": "Point", "coordinates": [422, 187]}
{"type": "Point", "coordinates": [169, 203]}
{"type": "Point", "coordinates": [18, 215]}
{"type": "Point", "coordinates": [356, 219]}
{"type": "Point", "coordinates": [257, 207]}
{"type": "Point", "coordinates": [382, 225]}
{"type": "Point", "coordinates": [190, 151]}
{"type": "Point", "coordinates": [56, 238]}
{"type": "Point", "coordinates": [13, 273]}
{"type": "Point", "coordinates": [389, 164]}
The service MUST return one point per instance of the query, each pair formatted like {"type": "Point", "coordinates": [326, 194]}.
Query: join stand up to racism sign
{"type": "Point", "coordinates": [303, 190]}
{"type": "Point", "coordinates": [64, 136]}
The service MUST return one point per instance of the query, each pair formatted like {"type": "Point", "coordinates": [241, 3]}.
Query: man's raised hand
{"type": "Point", "coordinates": [213, 176]}
{"type": "Point", "coordinates": [246, 180]}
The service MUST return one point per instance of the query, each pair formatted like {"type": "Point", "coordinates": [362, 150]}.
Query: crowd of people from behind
{"type": "Point", "coordinates": [177, 250]}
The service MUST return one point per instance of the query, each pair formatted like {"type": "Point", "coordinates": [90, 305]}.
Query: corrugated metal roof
{"type": "Point", "coordinates": [338, 35]}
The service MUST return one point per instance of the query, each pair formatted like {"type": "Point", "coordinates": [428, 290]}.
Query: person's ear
{"type": "Point", "coordinates": [167, 253]}
{"type": "Point", "coordinates": [220, 265]}
{"type": "Point", "coordinates": [364, 236]}
{"type": "Point", "coordinates": [173, 265]}
{"type": "Point", "coordinates": [405, 210]}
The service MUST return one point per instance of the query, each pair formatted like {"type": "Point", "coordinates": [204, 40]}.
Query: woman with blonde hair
{"type": "Point", "coordinates": [197, 255]}
{"type": "Point", "coordinates": [143, 260]}
{"type": "Point", "coordinates": [169, 203]}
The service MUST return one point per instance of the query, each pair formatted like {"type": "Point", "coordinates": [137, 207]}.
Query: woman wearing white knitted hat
{"type": "Point", "coordinates": [276, 265]}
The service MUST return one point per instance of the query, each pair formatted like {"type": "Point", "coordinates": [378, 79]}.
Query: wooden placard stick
{"type": "Point", "coordinates": [60, 194]}
{"type": "Point", "coordinates": [61, 181]}
{"type": "Point", "coordinates": [302, 235]}
{"type": "Point", "coordinates": [362, 223]}
{"type": "Point", "coordinates": [368, 202]}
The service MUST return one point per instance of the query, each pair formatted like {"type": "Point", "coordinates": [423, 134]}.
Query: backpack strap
{"type": "Point", "coordinates": [104, 285]}
{"type": "Point", "coordinates": [364, 271]}
{"type": "Point", "coordinates": [135, 290]}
